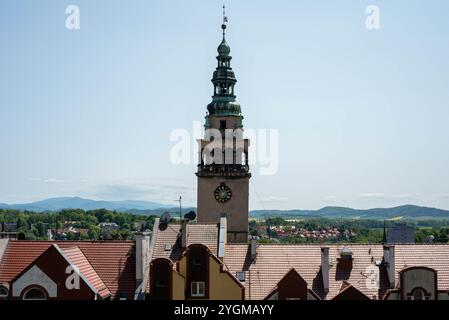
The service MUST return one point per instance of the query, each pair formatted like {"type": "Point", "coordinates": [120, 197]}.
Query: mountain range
{"type": "Point", "coordinates": [54, 204]}
{"type": "Point", "coordinates": [411, 212]}
{"type": "Point", "coordinates": [406, 212]}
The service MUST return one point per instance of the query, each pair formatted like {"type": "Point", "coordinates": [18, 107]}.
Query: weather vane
{"type": "Point", "coordinates": [225, 20]}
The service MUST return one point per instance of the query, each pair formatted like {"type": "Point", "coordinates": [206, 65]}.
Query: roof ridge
{"type": "Point", "coordinates": [77, 270]}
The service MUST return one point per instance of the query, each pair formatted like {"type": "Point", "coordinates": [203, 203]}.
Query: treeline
{"type": "Point", "coordinates": [361, 230]}
{"type": "Point", "coordinates": [34, 225]}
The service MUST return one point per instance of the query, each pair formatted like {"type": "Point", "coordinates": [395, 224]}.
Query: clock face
{"type": "Point", "coordinates": [222, 193]}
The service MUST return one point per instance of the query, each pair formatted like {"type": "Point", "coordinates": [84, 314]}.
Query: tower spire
{"type": "Point", "coordinates": [225, 20]}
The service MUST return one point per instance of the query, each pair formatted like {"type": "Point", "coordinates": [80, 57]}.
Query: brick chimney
{"type": "Point", "coordinates": [184, 232]}
{"type": "Point", "coordinates": [389, 264]}
{"type": "Point", "coordinates": [222, 237]}
{"type": "Point", "coordinates": [325, 266]}
{"type": "Point", "coordinates": [142, 240]}
{"type": "Point", "coordinates": [345, 259]}
{"type": "Point", "coordinates": [253, 248]}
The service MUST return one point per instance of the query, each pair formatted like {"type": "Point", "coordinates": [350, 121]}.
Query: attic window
{"type": "Point", "coordinates": [3, 293]}
{"type": "Point", "coordinates": [35, 294]}
{"type": "Point", "coordinates": [168, 247]}
{"type": "Point", "coordinates": [197, 289]}
{"type": "Point", "coordinates": [240, 275]}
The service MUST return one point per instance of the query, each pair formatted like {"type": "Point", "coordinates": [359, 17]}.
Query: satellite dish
{"type": "Point", "coordinates": [165, 218]}
{"type": "Point", "coordinates": [191, 215]}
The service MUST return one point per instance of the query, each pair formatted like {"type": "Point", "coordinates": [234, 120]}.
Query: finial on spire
{"type": "Point", "coordinates": [225, 20]}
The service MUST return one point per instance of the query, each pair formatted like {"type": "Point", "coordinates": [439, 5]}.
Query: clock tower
{"type": "Point", "coordinates": [223, 171]}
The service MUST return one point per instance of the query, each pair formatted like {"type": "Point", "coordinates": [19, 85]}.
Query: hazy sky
{"type": "Point", "coordinates": [363, 115]}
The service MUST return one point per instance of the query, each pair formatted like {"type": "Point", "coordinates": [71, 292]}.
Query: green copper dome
{"type": "Point", "coordinates": [224, 49]}
{"type": "Point", "coordinates": [223, 101]}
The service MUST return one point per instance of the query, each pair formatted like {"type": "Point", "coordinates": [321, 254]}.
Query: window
{"type": "Point", "coordinates": [240, 276]}
{"type": "Point", "coordinates": [35, 294]}
{"type": "Point", "coordinates": [197, 262]}
{"type": "Point", "coordinates": [418, 294]}
{"type": "Point", "coordinates": [160, 284]}
{"type": "Point", "coordinates": [197, 289]}
{"type": "Point", "coordinates": [3, 293]}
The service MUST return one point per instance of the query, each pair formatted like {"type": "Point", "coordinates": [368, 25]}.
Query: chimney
{"type": "Point", "coordinates": [345, 259]}
{"type": "Point", "coordinates": [222, 237]}
{"type": "Point", "coordinates": [253, 248]}
{"type": "Point", "coordinates": [184, 232]}
{"type": "Point", "coordinates": [390, 264]}
{"type": "Point", "coordinates": [142, 240]}
{"type": "Point", "coordinates": [325, 266]}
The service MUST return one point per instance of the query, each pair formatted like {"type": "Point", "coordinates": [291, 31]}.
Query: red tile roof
{"type": "Point", "coordinates": [78, 260]}
{"type": "Point", "coordinates": [274, 260]}
{"type": "Point", "coordinates": [206, 234]}
{"type": "Point", "coordinates": [113, 261]}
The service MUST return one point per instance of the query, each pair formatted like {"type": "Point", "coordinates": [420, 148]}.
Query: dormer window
{"type": "Point", "coordinates": [35, 294]}
{"type": "Point", "coordinates": [418, 294]}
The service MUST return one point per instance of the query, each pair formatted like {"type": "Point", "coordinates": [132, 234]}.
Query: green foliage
{"type": "Point", "coordinates": [360, 230]}
{"type": "Point", "coordinates": [35, 225]}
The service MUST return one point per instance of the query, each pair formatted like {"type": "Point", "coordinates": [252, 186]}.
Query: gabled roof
{"type": "Point", "coordinates": [113, 261]}
{"type": "Point", "coordinates": [349, 292]}
{"type": "Point", "coordinates": [78, 261]}
{"type": "Point", "coordinates": [206, 234]}
{"type": "Point", "coordinates": [435, 256]}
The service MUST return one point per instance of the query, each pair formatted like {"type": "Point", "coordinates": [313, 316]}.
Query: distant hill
{"type": "Point", "coordinates": [403, 212]}
{"type": "Point", "coordinates": [54, 204]}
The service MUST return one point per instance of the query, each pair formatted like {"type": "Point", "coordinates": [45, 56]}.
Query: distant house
{"type": "Point", "coordinates": [8, 230]}
{"type": "Point", "coordinates": [110, 226]}
{"type": "Point", "coordinates": [108, 230]}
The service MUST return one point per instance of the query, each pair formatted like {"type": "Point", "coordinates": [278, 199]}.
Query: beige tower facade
{"type": "Point", "coordinates": [223, 171]}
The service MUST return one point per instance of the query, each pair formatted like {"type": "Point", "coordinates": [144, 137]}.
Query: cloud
{"type": "Point", "coordinates": [47, 180]}
{"type": "Point", "coordinates": [158, 190]}
{"type": "Point", "coordinates": [52, 180]}
{"type": "Point", "coordinates": [274, 199]}
{"type": "Point", "coordinates": [373, 195]}
{"type": "Point", "coordinates": [330, 198]}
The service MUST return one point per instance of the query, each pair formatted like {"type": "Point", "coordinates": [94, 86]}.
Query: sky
{"type": "Point", "coordinates": [361, 115]}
